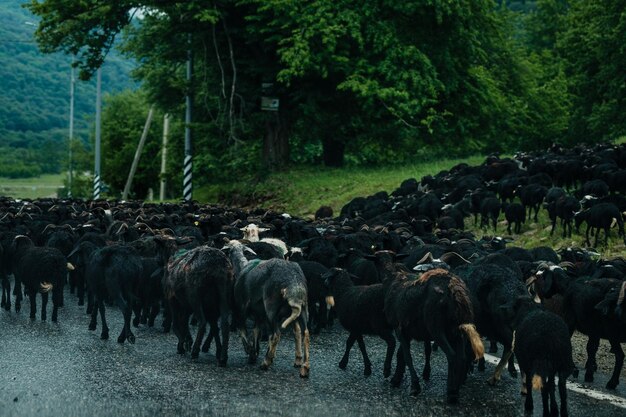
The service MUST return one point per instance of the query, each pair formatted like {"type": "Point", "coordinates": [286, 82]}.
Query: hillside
{"type": "Point", "coordinates": [34, 98]}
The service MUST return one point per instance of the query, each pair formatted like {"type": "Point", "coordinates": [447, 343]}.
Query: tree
{"type": "Point", "coordinates": [592, 45]}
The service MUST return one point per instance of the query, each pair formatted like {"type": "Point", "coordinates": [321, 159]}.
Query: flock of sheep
{"type": "Point", "coordinates": [399, 266]}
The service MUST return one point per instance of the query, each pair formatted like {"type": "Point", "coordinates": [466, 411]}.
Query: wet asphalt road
{"type": "Point", "coordinates": [63, 369]}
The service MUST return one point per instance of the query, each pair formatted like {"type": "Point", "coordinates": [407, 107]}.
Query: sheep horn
{"type": "Point", "coordinates": [428, 258]}
{"type": "Point", "coordinates": [50, 226]}
{"type": "Point", "coordinates": [622, 294]}
{"type": "Point", "coordinates": [566, 264]}
{"type": "Point", "coordinates": [452, 256]}
{"type": "Point", "coordinates": [45, 287]}
{"type": "Point", "coordinates": [70, 267]}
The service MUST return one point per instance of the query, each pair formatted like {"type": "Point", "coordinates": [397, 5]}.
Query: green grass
{"type": "Point", "coordinates": [301, 191]}
{"type": "Point", "coordinates": [42, 186]}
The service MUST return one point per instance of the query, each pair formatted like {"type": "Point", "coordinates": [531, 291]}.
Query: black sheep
{"type": "Point", "coordinates": [600, 216]}
{"type": "Point", "coordinates": [514, 214]}
{"type": "Point", "coordinates": [544, 350]}
{"type": "Point", "coordinates": [201, 281]}
{"type": "Point", "coordinates": [40, 270]}
{"type": "Point", "coordinates": [434, 307]}
{"type": "Point", "coordinates": [319, 314]}
{"type": "Point", "coordinates": [112, 274]}
{"type": "Point", "coordinates": [360, 311]}
{"type": "Point", "coordinates": [489, 210]}
{"type": "Point", "coordinates": [581, 297]}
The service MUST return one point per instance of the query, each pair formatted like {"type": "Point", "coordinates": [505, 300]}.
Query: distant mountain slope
{"type": "Point", "coordinates": [34, 95]}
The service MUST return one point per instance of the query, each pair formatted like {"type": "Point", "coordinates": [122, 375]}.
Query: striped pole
{"type": "Point", "coordinates": [97, 184]}
{"type": "Point", "coordinates": [188, 163]}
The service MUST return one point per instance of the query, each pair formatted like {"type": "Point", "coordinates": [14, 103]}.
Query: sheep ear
{"type": "Point", "coordinates": [263, 229]}
{"type": "Point", "coordinates": [250, 251]}
{"type": "Point", "coordinates": [603, 307]}
{"type": "Point", "coordinates": [370, 257]}
{"type": "Point", "coordinates": [401, 256]}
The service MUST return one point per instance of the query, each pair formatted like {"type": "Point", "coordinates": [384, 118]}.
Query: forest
{"type": "Point", "coordinates": [371, 83]}
{"type": "Point", "coordinates": [34, 99]}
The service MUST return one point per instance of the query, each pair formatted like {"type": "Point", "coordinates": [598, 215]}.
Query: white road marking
{"type": "Point", "coordinates": [576, 387]}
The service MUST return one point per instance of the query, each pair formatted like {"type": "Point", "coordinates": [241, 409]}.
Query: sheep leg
{"type": "Point", "coordinates": [271, 350]}
{"type": "Point", "coordinates": [406, 352]}
{"type": "Point", "coordinates": [154, 312]}
{"type": "Point", "coordinates": [367, 364]}
{"type": "Point", "coordinates": [506, 354]}
{"type": "Point", "coordinates": [17, 291]}
{"type": "Point", "coordinates": [297, 334]}
{"type": "Point", "coordinates": [80, 291]}
{"type": "Point", "coordinates": [396, 380]}
{"type": "Point", "coordinates": [105, 329]}
{"type": "Point", "coordinates": [536, 212]}
{"type": "Point", "coordinates": [198, 313]}
{"type": "Point", "coordinates": [563, 394]}
{"type": "Point", "coordinates": [349, 343]}
{"type": "Point", "coordinates": [215, 334]}
{"type": "Point", "coordinates": [305, 369]}
{"type": "Point", "coordinates": [619, 363]}
{"type": "Point", "coordinates": [427, 352]}
{"type": "Point", "coordinates": [181, 327]}
{"type": "Point", "coordinates": [493, 346]}
{"type": "Point", "coordinates": [167, 317]}
{"type": "Point", "coordinates": [508, 227]}
{"type": "Point", "coordinates": [587, 235]}
{"type": "Point", "coordinates": [136, 308]}
{"type": "Point", "coordinates": [455, 368]}
{"type": "Point", "coordinates": [391, 347]}
{"type": "Point", "coordinates": [545, 393]}
{"type": "Point", "coordinates": [206, 346]}
{"type": "Point", "coordinates": [33, 304]}
{"type": "Point", "coordinates": [528, 385]}
{"type": "Point", "coordinates": [94, 318]}
{"type": "Point", "coordinates": [90, 302]}
{"type": "Point", "coordinates": [225, 320]}
{"type": "Point", "coordinates": [6, 293]}
{"type": "Point", "coordinates": [44, 306]}
{"type": "Point", "coordinates": [127, 312]}
{"type": "Point", "coordinates": [590, 367]}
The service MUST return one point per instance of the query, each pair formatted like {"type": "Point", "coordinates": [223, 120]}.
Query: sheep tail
{"type": "Point", "coordinates": [474, 338]}
{"type": "Point", "coordinates": [296, 309]}
{"type": "Point", "coordinates": [45, 287]}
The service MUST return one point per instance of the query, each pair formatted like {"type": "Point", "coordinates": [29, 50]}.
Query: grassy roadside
{"type": "Point", "coordinates": [301, 191]}
{"type": "Point", "coordinates": [43, 186]}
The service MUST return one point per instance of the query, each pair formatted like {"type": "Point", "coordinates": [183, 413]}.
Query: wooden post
{"type": "Point", "coordinates": [166, 132]}
{"type": "Point", "coordinates": [133, 167]}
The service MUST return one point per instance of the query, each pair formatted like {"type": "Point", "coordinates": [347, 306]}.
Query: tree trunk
{"type": "Point", "coordinates": [276, 142]}
{"type": "Point", "coordinates": [332, 152]}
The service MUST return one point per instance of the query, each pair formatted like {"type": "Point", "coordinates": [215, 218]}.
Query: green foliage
{"type": "Point", "coordinates": [123, 120]}
{"type": "Point", "coordinates": [592, 45]}
{"type": "Point", "coordinates": [34, 99]}
{"type": "Point", "coordinates": [386, 82]}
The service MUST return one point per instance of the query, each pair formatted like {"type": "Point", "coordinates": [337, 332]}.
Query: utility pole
{"type": "Point", "coordinates": [188, 163]}
{"type": "Point", "coordinates": [166, 132]}
{"type": "Point", "coordinates": [96, 172]}
{"type": "Point", "coordinates": [133, 167]}
{"type": "Point", "coordinates": [70, 179]}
